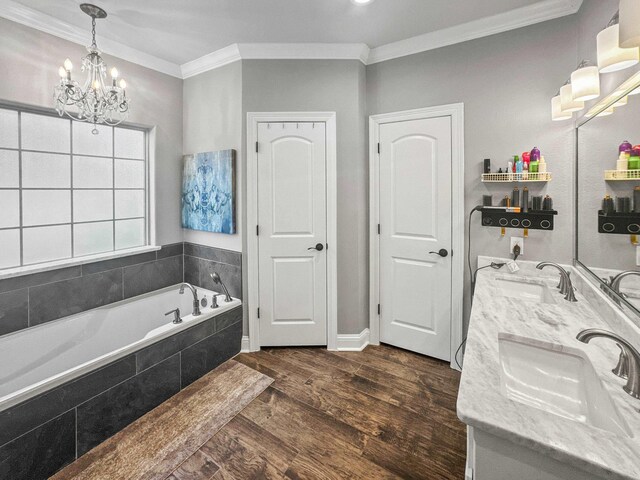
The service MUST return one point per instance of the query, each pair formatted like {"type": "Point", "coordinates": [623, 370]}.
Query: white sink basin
{"type": "Point", "coordinates": [525, 290]}
{"type": "Point", "coordinates": [557, 379]}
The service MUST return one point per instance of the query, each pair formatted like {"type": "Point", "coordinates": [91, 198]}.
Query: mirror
{"type": "Point", "coordinates": [608, 194]}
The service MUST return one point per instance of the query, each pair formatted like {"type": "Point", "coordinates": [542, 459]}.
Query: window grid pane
{"type": "Point", "coordinates": [89, 202]}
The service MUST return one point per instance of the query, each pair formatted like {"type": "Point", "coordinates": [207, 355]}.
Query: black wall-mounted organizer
{"type": "Point", "coordinates": [532, 219]}
{"type": "Point", "coordinates": [619, 223]}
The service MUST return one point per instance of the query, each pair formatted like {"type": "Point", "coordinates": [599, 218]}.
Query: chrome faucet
{"type": "Point", "coordinates": [614, 283]}
{"type": "Point", "coordinates": [196, 302]}
{"type": "Point", "coordinates": [176, 315]}
{"type": "Point", "coordinates": [565, 285]}
{"type": "Point", "coordinates": [216, 278]}
{"type": "Point", "coordinates": [630, 358]}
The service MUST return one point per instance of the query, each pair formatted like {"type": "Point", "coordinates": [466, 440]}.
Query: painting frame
{"type": "Point", "coordinates": [208, 197]}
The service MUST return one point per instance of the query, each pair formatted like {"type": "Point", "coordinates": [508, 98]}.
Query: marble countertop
{"type": "Point", "coordinates": [482, 406]}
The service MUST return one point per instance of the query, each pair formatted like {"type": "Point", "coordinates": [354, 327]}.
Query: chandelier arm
{"type": "Point", "coordinates": [98, 101]}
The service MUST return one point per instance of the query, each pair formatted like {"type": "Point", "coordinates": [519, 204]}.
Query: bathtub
{"type": "Point", "coordinates": [41, 358]}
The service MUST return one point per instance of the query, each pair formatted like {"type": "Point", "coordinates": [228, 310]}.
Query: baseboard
{"type": "Point", "coordinates": [355, 342]}
{"type": "Point", "coordinates": [244, 346]}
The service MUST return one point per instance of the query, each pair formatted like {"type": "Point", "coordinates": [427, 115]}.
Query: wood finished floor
{"type": "Point", "coordinates": [378, 414]}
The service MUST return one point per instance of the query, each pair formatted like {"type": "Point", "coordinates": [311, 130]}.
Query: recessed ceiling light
{"type": "Point", "coordinates": [361, 2]}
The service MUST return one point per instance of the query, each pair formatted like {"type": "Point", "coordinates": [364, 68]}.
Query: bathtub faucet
{"type": "Point", "coordinates": [216, 278]}
{"type": "Point", "coordinates": [196, 302]}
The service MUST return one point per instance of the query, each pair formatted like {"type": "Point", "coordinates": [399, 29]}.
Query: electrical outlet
{"type": "Point", "coordinates": [517, 241]}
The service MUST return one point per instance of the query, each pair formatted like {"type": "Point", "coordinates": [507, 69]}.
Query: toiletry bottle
{"type": "Point", "coordinates": [535, 154]}
{"type": "Point", "coordinates": [542, 165]}
{"type": "Point", "coordinates": [518, 165]}
{"type": "Point", "coordinates": [510, 170]}
{"type": "Point", "coordinates": [625, 147]}
{"type": "Point", "coordinates": [623, 162]}
{"type": "Point", "coordinates": [533, 167]}
{"type": "Point", "coordinates": [525, 200]}
{"type": "Point", "coordinates": [525, 171]}
{"type": "Point", "coordinates": [487, 165]}
{"type": "Point", "coordinates": [634, 159]}
{"type": "Point", "coordinates": [547, 203]}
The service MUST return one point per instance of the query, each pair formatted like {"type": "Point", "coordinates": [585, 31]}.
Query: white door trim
{"type": "Point", "coordinates": [456, 112]}
{"type": "Point", "coordinates": [329, 119]}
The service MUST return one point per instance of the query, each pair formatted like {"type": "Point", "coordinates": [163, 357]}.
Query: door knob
{"type": "Point", "coordinates": [442, 252]}
{"type": "Point", "coordinates": [319, 247]}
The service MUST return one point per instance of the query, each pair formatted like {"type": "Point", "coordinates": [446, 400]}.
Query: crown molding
{"type": "Point", "coordinates": [513, 19]}
{"type": "Point", "coordinates": [503, 22]}
{"type": "Point", "coordinates": [211, 61]}
{"type": "Point", "coordinates": [305, 51]}
{"type": "Point", "coordinates": [29, 17]}
{"type": "Point", "coordinates": [275, 51]}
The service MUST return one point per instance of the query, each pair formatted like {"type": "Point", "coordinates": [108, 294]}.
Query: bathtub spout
{"type": "Point", "coordinates": [196, 302]}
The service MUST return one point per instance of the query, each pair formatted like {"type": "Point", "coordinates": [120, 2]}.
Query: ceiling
{"type": "Point", "coordinates": [181, 31]}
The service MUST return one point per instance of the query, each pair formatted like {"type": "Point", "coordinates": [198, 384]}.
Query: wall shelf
{"type": "Point", "coordinates": [516, 177]}
{"type": "Point", "coordinates": [622, 175]}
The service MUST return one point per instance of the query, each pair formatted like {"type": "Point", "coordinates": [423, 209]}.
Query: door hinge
{"type": "Point", "coordinates": [378, 229]}
{"type": "Point", "coordinates": [258, 312]}
{"type": "Point", "coordinates": [256, 147]}
{"type": "Point", "coordinates": [378, 309]}
{"type": "Point", "coordinates": [378, 148]}
{"type": "Point", "coordinates": [257, 230]}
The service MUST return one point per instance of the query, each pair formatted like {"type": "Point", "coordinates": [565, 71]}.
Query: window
{"type": "Point", "coordinates": [67, 193]}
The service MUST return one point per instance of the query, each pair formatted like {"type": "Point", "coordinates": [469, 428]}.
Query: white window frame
{"type": "Point", "coordinates": [150, 189]}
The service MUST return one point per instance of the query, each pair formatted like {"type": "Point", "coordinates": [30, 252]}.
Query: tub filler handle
{"type": "Point", "coordinates": [176, 315]}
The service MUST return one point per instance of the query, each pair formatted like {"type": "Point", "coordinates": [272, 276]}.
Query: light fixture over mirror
{"type": "Point", "coordinates": [585, 83]}
{"type": "Point", "coordinates": [556, 110]}
{"type": "Point", "coordinates": [567, 103]}
{"type": "Point", "coordinates": [97, 101]}
{"type": "Point", "coordinates": [629, 23]}
{"type": "Point", "coordinates": [611, 57]}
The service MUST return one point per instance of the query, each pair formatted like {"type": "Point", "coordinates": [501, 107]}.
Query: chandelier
{"type": "Point", "coordinates": [97, 101]}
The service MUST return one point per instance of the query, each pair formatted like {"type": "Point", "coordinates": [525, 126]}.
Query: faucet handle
{"type": "Point", "coordinates": [176, 315]}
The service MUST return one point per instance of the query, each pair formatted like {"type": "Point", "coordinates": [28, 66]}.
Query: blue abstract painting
{"type": "Point", "coordinates": [208, 192]}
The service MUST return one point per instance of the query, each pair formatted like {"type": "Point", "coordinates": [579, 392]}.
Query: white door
{"type": "Point", "coordinates": [292, 217]}
{"type": "Point", "coordinates": [415, 235]}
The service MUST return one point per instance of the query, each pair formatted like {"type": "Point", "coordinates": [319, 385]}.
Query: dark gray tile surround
{"type": "Point", "coordinates": [31, 300]}
{"type": "Point", "coordinates": [200, 261]}
{"type": "Point", "coordinates": [45, 433]}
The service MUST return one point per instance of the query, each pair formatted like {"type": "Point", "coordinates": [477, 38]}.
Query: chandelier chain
{"type": "Point", "coordinates": [93, 33]}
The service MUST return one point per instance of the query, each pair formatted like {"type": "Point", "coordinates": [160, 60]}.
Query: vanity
{"type": "Point", "coordinates": [539, 403]}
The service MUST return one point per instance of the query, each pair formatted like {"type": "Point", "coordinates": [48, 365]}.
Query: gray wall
{"type": "Point", "coordinates": [213, 121]}
{"type": "Point", "coordinates": [328, 85]}
{"type": "Point", "coordinates": [30, 60]}
{"type": "Point", "coordinates": [506, 82]}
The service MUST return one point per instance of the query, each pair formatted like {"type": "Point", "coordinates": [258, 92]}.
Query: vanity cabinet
{"type": "Point", "coordinates": [494, 458]}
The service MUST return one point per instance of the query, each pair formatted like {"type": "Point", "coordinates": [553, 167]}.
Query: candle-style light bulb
{"type": "Point", "coordinates": [95, 85]}
{"type": "Point", "coordinates": [114, 72]}
{"type": "Point", "coordinates": [123, 84]}
{"type": "Point", "coordinates": [62, 72]}
{"type": "Point", "coordinates": [68, 66]}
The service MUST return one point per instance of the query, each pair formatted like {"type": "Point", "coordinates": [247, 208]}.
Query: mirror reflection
{"type": "Point", "coordinates": [608, 195]}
